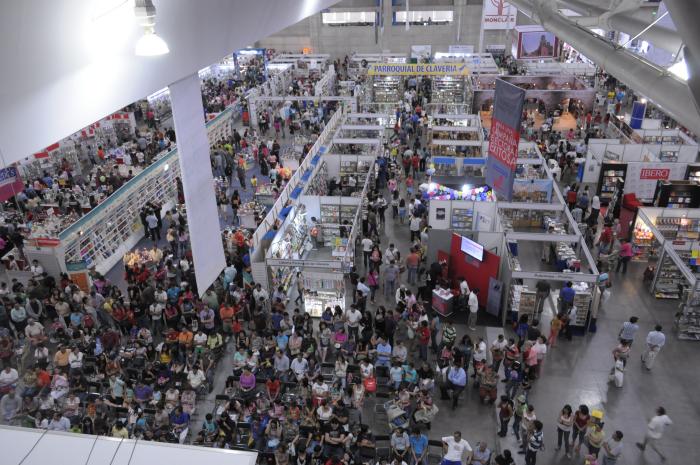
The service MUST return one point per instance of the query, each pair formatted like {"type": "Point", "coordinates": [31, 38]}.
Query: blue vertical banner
{"type": "Point", "coordinates": [638, 111]}
{"type": "Point", "coordinates": [504, 138]}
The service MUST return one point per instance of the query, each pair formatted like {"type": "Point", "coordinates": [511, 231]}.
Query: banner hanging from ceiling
{"type": "Point", "coordinates": [503, 138]}
{"type": "Point", "coordinates": [422, 69]}
{"type": "Point", "coordinates": [498, 14]}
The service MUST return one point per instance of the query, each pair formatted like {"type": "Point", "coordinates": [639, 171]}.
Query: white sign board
{"type": "Point", "coordinates": [641, 178]}
{"type": "Point", "coordinates": [461, 49]}
{"type": "Point", "coordinates": [498, 14]}
{"type": "Point", "coordinates": [421, 51]}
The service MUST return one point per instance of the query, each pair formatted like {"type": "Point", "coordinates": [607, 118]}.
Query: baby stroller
{"type": "Point", "coordinates": [396, 416]}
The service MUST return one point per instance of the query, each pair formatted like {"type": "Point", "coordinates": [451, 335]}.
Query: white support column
{"type": "Point", "coordinates": [197, 181]}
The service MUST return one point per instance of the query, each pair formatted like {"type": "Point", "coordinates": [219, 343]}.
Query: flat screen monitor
{"type": "Point", "coordinates": [472, 249]}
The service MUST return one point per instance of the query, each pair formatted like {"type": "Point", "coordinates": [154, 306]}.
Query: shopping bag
{"type": "Point", "coordinates": [370, 384]}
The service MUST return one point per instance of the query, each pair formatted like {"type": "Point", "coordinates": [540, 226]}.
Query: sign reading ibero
{"type": "Point", "coordinates": [420, 69]}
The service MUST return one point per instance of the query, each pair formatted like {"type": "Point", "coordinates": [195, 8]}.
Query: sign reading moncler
{"type": "Point", "coordinates": [498, 14]}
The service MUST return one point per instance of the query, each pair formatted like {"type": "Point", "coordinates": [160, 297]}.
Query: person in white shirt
{"type": "Point", "coordinates": [196, 377]}
{"type": "Point", "coordinates": [367, 245]}
{"type": "Point", "coordinates": [352, 318]}
{"type": "Point", "coordinates": [299, 366]}
{"type": "Point", "coordinates": [260, 293]}
{"type": "Point", "coordinates": [655, 341]}
{"type": "Point", "coordinates": [36, 269]}
{"type": "Point", "coordinates": [463, 286]}
{"type": "Point", "coordinates": [75, 359]}
{"type": "Point", "coordinates": [473, 304]}
{"type": "Point", "coordinates": [454, 448]}
{"type": "Point", "coordinates": [655, 431]}
{"type": "Point", "coordinates": [391, 254]}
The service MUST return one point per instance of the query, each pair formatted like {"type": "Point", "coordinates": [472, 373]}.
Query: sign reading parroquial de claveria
{"type": "Point", "coordinates": [412, 69]}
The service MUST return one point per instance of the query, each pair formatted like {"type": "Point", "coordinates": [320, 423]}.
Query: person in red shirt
{"type": "Point", "coordinates": [226, 313]}
{"type": "Point", "coordinates": [415, 161]}
{"type": "Point", "coordinates": [272, 386]}
{"type": "Point", "coordinates": [571, 198]}
{"type": "Point", "coordinates": [423, 335]}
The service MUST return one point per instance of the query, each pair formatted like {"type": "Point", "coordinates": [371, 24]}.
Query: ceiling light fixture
{"type": "Point", "coordinates": [149, 44]}
{"type": "Point", "coordinates": [680, 70]}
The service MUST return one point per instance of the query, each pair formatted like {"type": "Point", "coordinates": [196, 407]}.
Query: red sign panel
{"type": "Point", "coordinates": [503, 143]}
{"type": "Point", "coordinates": [655, 173]}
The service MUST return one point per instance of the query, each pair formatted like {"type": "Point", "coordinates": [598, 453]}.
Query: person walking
{"type": "Point", "coordinates": [473, 304]}
{"type": "Point", "coordinates": [655, 431]}
{"type": "Point", "coordinates": [655, 341]}
{"type": "Point", "coordinates": [412, 262]}
{"type": "Point", "coordinates": [628, 330]}
{"type": "Point", "coordinates": [612, 448]}
{"type": "Point", "coordinates": [626, 253]}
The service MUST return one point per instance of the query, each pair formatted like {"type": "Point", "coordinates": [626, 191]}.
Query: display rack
{"type": "Point", "coordinates": [643, 241]}
{"type": "Point", "coordinates": [318, 185]}
{"type": "Point", "coordinates": [677, 194]}
{"type": "Point", "coordinates": [522, 301]}
{"type": "Point", "coordinates": [611, 176]}
{"type": "Point", "coordinates": [582, 302]}
{"type": "Point", "coordinates": [668, 280]}
{"type": "Point", "coordinates": [321, 290]}
{"type": "Point", "coordinates": [688, 323]}
{"type": "Point", "coordinates": [387, 89]}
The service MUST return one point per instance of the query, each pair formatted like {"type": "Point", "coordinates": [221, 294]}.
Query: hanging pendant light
{"type": "Point", "coordinates": [149, 44]}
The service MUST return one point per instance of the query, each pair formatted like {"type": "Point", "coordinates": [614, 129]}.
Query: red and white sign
{"type": "Point", "coordinates": [498, 14]}
{"type": "Point", "coordinates": [655, 173]}
{"type": "Point", "coordinates": [641, 177]}
{"type": "Point", "coordinates": [503, 143]}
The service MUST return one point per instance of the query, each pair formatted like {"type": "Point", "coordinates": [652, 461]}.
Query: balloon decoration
{"type": "Point", "coordinates": [437, 191]}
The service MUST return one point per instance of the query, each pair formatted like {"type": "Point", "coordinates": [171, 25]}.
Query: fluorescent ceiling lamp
{"type": "Point", "coordinates": [680, 70]}
{"type": "Point", "coordinates": [149, 44]}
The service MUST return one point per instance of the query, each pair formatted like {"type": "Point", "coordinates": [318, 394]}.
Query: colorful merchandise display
{"type": "Point", "coordinates": [439, 192]}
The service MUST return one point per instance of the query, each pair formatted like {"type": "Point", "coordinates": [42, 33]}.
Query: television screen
{"type": "Point", "coordinates": [472, 249]}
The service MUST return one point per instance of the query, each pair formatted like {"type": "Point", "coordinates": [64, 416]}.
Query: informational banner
{"type": "Point", "coordinates": [641, 178]}
{"type": "Point", "coordinates": [10, 183]}
{"type": "Point", "coordinates": [537, 44]}
{"type": "Point", "coordinates": [638, 111]}
{"type": "Point", "coordinates": [420, 69]}
{"type": "Point", "coordinates": [197, 181]}
{"type": "Point", "coordinates": [504, 138]}
{"type": "Point", "coordinates": [498, 14]}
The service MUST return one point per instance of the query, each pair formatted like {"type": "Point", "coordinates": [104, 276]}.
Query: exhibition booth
{"type": "Point", "coordinates": [668, 241]}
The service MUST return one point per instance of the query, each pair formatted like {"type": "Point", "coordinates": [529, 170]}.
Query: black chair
{"type": "Point", "coordinates": [434, 451]}
{"type": "Point", "coordinates": [382, 446]}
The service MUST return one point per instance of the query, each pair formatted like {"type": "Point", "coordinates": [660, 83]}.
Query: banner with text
{"type": "Point", "coordinates": [641, 178]}
{"type": "Point", "coordinates": [504, 138]}
{"type": "Point", "coordinates": [498, 14]}
{"type": "Point", "coordinates": [421, 69]}
{"type": "Point", "coordinates": [10, 183]}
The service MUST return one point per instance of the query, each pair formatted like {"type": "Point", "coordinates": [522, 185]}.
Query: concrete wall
{"type": "Point", "coordinates": [340, 41]}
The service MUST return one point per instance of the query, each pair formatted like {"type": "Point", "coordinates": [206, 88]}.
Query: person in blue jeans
{"type": "Point", "coordinates": [456, 382]}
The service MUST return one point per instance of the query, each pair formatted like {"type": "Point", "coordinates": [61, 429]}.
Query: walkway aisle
{"type": "Point", "coordinates": [576, 373]}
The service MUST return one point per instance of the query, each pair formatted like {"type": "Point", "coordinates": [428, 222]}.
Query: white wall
{"type": "Point", "coordinates": [341, 41]}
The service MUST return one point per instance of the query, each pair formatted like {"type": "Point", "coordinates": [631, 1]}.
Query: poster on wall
{"type": "Point", "coordinates": [537, 44]}
{"type": "Point", "coordinates": [421, 52]}
{"type": "Point", "coordinates": [504, 138]}
{"type": "Point", "coordinates": [460, 49]}
{"type": "Point", "coordinates": [641, 178]}
{"type": "Point", "coordinates": [498, 14]}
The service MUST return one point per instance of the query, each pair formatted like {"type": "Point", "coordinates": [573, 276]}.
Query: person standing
{"type": "Point", "coordinates": [535, 443]}
{"type": "Point", "coordinates": [655, 341]}
{"type": "Point", "coordinates": [454, 448]}
{"type": "Point", "coordinates": [154, 231]}
{"type": "Point", "coordinates": [655, 431]}
{"type": "Point", "coordinates": [543, 289]}
{"type": "Point", "coordinates": [473, 303]}
{"type": "Point", "coordinates": [367, 245]}
{"type": "Point", "coordinates": [505, 413]}
{"type": "Point", "coordinates": [626, 253]}
{"type": "Point", "coordinates": [567, 295]}
{"type": "Point", "coordinates": [612, 449]}
{"type": "Point", "coordinates": [412, 262]}
{"type": "Point", "coordinates": [628, 330]}
{"type": "Point", "coordinates": [564, 426]}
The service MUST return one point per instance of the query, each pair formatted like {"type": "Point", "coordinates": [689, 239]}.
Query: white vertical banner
{"type": "Point", "coordinates": [197, 181]}
{"type": "Point", "coordinates": [498, 14]}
